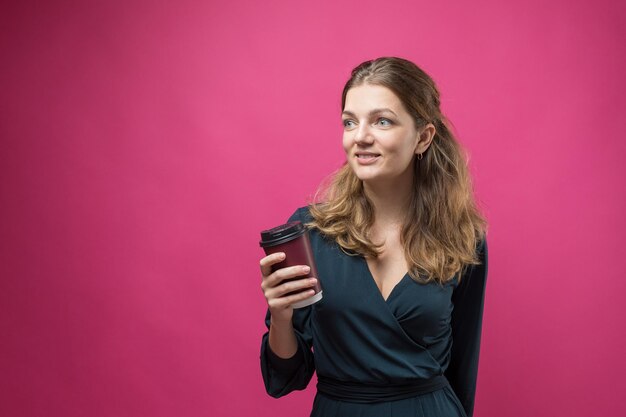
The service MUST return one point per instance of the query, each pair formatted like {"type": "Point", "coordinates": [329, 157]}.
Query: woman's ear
{"type": "Point", "coordinates": [425, 138]}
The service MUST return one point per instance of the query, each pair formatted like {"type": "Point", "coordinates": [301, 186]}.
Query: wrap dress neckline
{"type": "Point", "coordinates": [368, 273]}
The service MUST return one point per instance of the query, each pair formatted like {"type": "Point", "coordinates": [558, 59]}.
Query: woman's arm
{"type": "Point", "coordinates": [286, 355]}
{"type": "Point", "coordinates": [283, 375]}
{"type": "Point", "coordinates": [468, 299]}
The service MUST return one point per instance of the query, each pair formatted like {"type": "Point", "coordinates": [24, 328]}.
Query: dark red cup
{"type": "Point", "coordinates": [293, 239]}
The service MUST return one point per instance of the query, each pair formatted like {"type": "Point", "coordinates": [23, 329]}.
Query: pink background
{"type": "Point", "coordinates": [145, 144]}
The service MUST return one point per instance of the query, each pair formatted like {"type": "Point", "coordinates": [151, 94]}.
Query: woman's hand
{"type": "Point", "coordinates": [275, 287]}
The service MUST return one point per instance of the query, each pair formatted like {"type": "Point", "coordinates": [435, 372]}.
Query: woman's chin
{"type": "Point", "coordinates": [365, 176]}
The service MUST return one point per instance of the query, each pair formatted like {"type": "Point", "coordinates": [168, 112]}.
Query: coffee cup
{"type": "Point", "coordinates": [293, 239]}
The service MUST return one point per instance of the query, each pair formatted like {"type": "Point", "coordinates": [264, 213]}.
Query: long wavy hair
{"type": "Point", "coordinates": [443, 227]}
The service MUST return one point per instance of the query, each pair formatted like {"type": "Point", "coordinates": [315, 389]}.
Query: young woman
{"type": "Point", "coordinates": [401, 254]}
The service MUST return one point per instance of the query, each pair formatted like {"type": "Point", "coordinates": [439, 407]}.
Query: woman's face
{"type": "Point", "coordinates": [379, 136]}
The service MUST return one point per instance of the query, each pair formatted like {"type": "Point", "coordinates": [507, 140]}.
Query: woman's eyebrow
{"type": "Point", "coordinates": [372, 112]}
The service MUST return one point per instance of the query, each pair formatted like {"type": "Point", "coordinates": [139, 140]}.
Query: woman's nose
{"type": "Point", "coordinates": [363, 134]}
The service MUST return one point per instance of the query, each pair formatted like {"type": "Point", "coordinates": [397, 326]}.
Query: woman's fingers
{"type": "Point", "coordinates": [284, 302]}
{"type": "Point", "coordinates": [284, 286]}
{"type": "Point", "coordinates": [283, 274]}
{"type": "Point", "coordinates": [272, 259]}
{"type": "Point", "coordinates": [281, 290]}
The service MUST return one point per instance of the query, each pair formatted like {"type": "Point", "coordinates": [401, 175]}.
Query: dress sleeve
{"type": "Point", "coordinates": [468, 300]}
{"type": "Point", "coordinates": [281, 376]}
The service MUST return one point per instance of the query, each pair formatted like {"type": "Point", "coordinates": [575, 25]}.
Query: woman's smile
{"type": "Point", "coordinates": [366, 158]}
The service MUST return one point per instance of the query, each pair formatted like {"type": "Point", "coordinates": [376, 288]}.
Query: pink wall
{"type": "Point", "coordinates": [145, 144]}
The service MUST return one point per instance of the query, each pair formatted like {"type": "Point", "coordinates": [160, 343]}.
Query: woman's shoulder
{"type": "Point", "coordinates": [481, 249]}
{"type": "Point", "coordinates": [302, 214]}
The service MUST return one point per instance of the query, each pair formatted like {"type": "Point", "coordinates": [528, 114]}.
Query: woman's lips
{"type": "Point", "coordinates": [366, 158]}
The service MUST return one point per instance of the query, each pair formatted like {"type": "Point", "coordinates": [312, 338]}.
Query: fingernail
{"type": "Point", "coordinates": [306, 269]}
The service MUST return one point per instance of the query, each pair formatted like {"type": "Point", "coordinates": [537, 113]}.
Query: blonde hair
{"type": "Point", "coordinates": [443, 226]}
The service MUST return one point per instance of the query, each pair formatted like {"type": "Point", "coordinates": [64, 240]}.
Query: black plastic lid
{"type": "Point", "coordinates": [281, 234]}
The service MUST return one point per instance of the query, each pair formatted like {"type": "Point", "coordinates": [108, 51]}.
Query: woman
{"type": "Point", "coordinates": [401, 254]}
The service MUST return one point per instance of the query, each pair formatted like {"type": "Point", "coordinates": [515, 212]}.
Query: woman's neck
{"type": "Point", "coordinates": [390, 202]}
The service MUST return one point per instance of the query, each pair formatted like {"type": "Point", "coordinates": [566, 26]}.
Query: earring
{"type": "Point", "coordinates": [419, 156]}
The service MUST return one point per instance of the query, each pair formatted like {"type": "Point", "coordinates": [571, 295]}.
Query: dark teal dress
{"type": "Point", "coordinates": [369, 353]}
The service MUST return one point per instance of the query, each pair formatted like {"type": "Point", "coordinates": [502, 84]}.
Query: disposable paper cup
{"type": "Point", "coordinates": [293, 239]}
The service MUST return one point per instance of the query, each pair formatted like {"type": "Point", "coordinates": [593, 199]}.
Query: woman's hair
{"type": "Point", "coordinates": [443, 226]}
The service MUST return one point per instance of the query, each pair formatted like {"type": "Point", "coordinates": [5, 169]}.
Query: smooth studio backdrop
{"type": "Point", "coordinates": [144, 144]}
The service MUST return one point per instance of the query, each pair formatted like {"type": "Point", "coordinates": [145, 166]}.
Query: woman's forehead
{"type": "Point", "coordinates": [367, 97]}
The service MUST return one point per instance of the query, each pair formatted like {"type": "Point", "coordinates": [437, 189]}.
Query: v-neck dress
{"type": "Point", "coordinates": [353, 337]}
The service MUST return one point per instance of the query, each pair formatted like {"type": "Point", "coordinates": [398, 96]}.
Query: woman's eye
{"type": "Point", "coordinates": [384, 122]}
{"type": "Point", "coordinates": [348, 123]}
